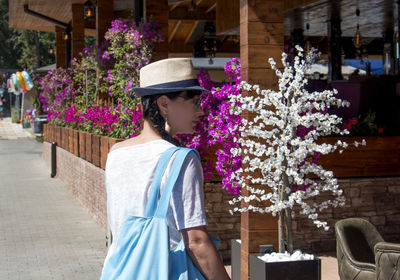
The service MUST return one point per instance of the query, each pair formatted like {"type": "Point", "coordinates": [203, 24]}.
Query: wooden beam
{"type": "Point", "coordinates": [172, 35]}
{"type": "Point", "coordinates": [211, 8]}
{"type": "Point", "coordinates": [90, 32]}
{"type": "Point", "coordinates": [104, 16]}
{"type": "Point", "coordinates": [191, 31]}
{"type": "Point", "coordinates": [180, 47]}
{"type": "Point", "coordinates": [266, 17]}
{"type": "Point", "coordinates": [198, 14]}
{"type": "Point", "coordinates": [294, 4]}
{"type": "Point", "coordinates": [78, 29]}
{"type": "Point", "coordinates": [228, 17]}
{"type": "Point", "coordinates": [173, 6]}
{"type": "Point", "coordinates": [60, 48]}
{"type": "Point", "coordinates": [158, 10]}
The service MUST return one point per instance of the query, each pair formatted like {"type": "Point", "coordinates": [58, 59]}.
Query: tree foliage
{"type": "Point", "coordinates": [23, 48]}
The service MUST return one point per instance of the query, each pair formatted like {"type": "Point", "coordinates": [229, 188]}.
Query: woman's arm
{"type": "Point", "coordinates": [203, 253]}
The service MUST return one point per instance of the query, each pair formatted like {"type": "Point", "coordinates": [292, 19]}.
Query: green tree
{"type": "Point", "coordinates": [8, 55]}
{"type": "Point", "coordinates": [23, 48]}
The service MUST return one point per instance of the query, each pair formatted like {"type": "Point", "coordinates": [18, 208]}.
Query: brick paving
{"type": "Point", "coordinates": [44, 232]}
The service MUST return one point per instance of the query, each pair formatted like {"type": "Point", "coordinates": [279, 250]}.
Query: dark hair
{"type": "Point", "coordinates": [151, 112]}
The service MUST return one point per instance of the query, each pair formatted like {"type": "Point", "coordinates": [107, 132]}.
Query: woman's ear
{"type": "Point", "coordinates": [162, 103]}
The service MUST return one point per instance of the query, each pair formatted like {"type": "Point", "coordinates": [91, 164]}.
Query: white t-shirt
{"type": "Point", "coordinates": [128, 176]}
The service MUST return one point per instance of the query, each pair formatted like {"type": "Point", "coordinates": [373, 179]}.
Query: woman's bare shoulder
{"type": "Point", "coordinates": [138, 140]}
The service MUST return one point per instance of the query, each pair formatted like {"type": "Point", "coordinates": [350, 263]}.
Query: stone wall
{"type": "Point", "coordinates": [86, 182]}
{"type": "Point", "coordinates": [375, 199]}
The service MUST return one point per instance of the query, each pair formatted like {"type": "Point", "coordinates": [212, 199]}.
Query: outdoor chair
{"type": "Point", "coordinates": [362, 253]}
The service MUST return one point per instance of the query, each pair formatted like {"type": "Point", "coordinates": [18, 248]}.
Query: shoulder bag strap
{"type": "Point", "coordinates": [155, 186]}
{"type": "Point", "coordinates": [176, 167]}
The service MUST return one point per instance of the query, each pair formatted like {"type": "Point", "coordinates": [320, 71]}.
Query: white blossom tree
{"type": "Point", "coordinates": [280, 143]}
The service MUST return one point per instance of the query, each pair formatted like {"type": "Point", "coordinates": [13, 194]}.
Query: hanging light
{"type": "Point", "coordinates": [51, 50]}
{"type": "Point", "coordinates": [357, 36]}
{"type": "Point", "coordinates": [308, 46]}
{"type": "Point", "coordinates": [65, 35]}
{"type": "Point", "coordinates": [210, 41]}
{"type": "Point", "coordinates": [89, 9]}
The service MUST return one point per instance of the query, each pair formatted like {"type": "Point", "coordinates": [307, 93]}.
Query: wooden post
{"type": "Point", "coordinates": [261, 37]}
{"type": "Point", "coordinates": [78, 29]}
{"type": "Point", "coordinates": [104, 16]}
{"type": "Point", "coordinates": [157, 10]}
{"type": "Point", "coordinates": [60, 48]}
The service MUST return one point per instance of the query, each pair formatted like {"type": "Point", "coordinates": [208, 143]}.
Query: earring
{"type": "Point", "coordinates": [166, 128]}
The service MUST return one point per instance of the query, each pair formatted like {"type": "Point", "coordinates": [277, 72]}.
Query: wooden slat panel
{"type": "Point", "coordinates": [262, 33]}
{"type": "Point", "coordinates": [257, 56]}
{"type": "Point", "coordinates": [82, 144]}
{"type": "Point", "coordinates": [103, 151]}
{"type": "Point", "coordinates": [88, 148]}
{"type": "Point", "coordinates": [96, 150]}
{"type": "Point", "coordinates": [254, 54]}
{"type": "Point", "coordinates": [380, 157]}
{"type": "Point", "coordinates": [261, 10]}
{"type": "Point", "coordinates": [70, 140]}
{"type": "Point", "coordinates": [76, 143]}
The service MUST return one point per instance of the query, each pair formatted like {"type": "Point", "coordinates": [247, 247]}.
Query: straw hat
{"type": "Point", "coordinates": [167, 75]}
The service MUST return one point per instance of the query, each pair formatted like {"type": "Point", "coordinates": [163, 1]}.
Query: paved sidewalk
{"type": "Point", "coordinates": [11, 131]}
{"type": "Point", "coordinates": [44, 232]}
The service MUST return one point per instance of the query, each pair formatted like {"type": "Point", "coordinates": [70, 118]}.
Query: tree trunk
{"type": "Point", "coordinates": [289, 230]}
{"type": "Point", "coordinates": [280, 232]}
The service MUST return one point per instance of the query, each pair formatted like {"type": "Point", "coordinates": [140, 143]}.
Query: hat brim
{"type": "Point", "coordinates": [145, 91]}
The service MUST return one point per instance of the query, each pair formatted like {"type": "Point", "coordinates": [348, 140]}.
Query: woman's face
{"type": "Point", "coordinates": [183, 114]}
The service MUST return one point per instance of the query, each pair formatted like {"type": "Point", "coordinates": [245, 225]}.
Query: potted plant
{"type": "Point", "coordinates": [279, 153]}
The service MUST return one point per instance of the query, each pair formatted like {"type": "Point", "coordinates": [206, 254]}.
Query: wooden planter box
{"type": "Point", "coordinates": [45, 133]}
{"type": "Point", "coordinates": [96, 150]}
{"type": "Point", "coordinates": [58, 135]}
{"type": "Point", "coordinates": [76, 142]}
{"type": "Point", "coordinates": [64, 138]}
{"type": "Point", "coordinates": [70, 140]}
{"type": "Point", "coordinates": [380, 157]}
{"type": "Point", "coordinates": [106, 144]}
{"type": "Point", "coordinates": [88, 148]}
{"type": "Point", "coordinates": [103, 151]}
{"type": "Point", "coordinates": [51, 129]}
{"type": "Point", "coordinates": [82, 144]}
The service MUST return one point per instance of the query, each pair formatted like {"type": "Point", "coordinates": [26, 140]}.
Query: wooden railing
{"type": "Point", "coordinates": [380, 157]}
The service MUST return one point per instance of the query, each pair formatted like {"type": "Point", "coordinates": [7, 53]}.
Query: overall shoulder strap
{"type": "Point", "coordinates": [176, 167]}
{"type": "Point", "coordinates": [155, 186]}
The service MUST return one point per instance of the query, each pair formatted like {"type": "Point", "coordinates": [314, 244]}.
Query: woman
{"type": "Point", "coordinates": [171, 104]}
